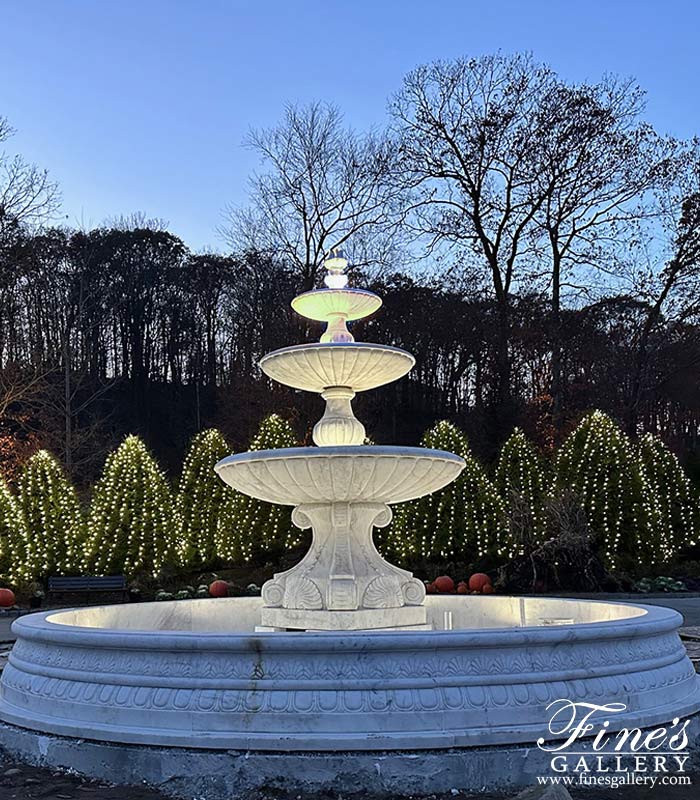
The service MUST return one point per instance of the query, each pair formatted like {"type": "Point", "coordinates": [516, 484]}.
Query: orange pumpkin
{"type": "Point", "coordinates": [444, 584]}
{"type": "Point", "coordinates": [478, 580]}
{"type": "Point", "coordinates": [218, 589]}
{"type": "Point", "coordinates": [7, 598]}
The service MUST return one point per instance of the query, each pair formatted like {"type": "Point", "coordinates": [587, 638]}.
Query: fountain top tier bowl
{"type": "Point", "coordinates": [324, 304]}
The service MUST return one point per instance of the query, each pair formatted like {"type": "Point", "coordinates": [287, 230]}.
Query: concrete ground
{"type": "Point", "coordinates": [22, 782]}
{"type": "Point", "coordinates": [5, 635]}
{"type": "Point", "coordinates": [687, 605]}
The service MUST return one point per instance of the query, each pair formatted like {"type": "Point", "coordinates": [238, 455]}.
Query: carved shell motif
{"type": "Point", "coordinates": [272, 594]}
{"type": "Point", "coordinates": [413, 592]}
{"type": "Point", "coordinates": [383, 592]}
{"type": "Point", "coordinates": [303, 593]}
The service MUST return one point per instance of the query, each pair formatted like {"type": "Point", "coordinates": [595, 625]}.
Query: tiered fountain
{"type": "Point", "coordinates": [340, 489]}
{"type": "Point", "coordinates": [343, 652]}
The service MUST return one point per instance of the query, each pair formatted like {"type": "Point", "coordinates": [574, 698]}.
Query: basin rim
{"type": "Point", "coordinates": [340, 451]}
{"type": "Point", "coordinates": [37, 627]}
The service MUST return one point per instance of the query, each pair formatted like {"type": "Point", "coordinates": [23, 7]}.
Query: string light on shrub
{"type": "Point", "coordinates": [201, 496]}
{"type": "Point", "coordinates": [521, 473]}
{"type": "Point", "coordinates": [466, 519]}
{"type": "Point", "coordinates": [669, 501]}
{"type": "Point", "coordinates": [53, 522]}
{"type": "Point", "coordinates": [13, 534]}
{"type": "Point", "coordinates": [638, 501]}
{"type": "Point", "coordinates": [598, 462]}
{"type": "Point", "coordinates": [131, 514]}
{"type": "Point", "coordinates": [249, 527]}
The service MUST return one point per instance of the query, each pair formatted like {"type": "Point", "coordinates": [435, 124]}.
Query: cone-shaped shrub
{"type": "Point", "coordinates": [522, 479]}
{"type": "Point", "coordinates": [12, 533]}
{"type": "Point", "coordinates": [130, 526]}
{"type": "Point", "coordinates": [200, 499]}
{"type": "Point", "coordinates": [598, 462]}
{"type": "Point", "coordinates": [53, 520]}
{"type": "Point", "coordinates": [669, 501]}
{"type": "Point", "coordinates": [248, 527]}
{"type": "Point", "coordinates": [464, 520]}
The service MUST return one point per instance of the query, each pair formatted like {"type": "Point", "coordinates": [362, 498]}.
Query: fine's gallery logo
{"type": "Point", "coordinates": [583, 749]}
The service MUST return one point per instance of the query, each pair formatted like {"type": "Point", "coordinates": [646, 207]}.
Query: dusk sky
{"type": "Point", "coordinates": [142, 105]}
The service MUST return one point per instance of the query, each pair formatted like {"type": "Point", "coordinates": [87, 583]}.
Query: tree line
{"type": "Point", "coordinates": [536, 243]}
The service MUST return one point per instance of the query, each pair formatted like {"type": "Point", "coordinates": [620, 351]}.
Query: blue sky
{"type": "Point", "coordinates": [142, 105]}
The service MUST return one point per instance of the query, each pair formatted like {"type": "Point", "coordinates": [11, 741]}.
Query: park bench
{"type": "Point", "coordinates": [88, 584]}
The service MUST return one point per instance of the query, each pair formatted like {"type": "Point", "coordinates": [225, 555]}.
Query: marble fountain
{"type": "Point", "coordinates": [343, 674]}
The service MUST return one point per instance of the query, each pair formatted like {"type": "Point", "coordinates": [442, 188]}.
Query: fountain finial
{"type": "Point", "coordinates": [336, 265]}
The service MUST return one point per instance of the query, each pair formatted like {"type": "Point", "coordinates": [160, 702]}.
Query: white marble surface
{"type": "Point", "coordinates": [318, 366]}
{"type": "Point", "coordinates": [195, 674]}
{"type": "Point", "coordinates": [341, 493]}
{"type": "Point", "coordinates": [338, 425]}
{"type": "Point", "coordinates": [352, 474]}
{"type": "Point", "coordinates": [240, 615]}
{"type": "Point", "coordinates": [324, 304]}
{"type": "Point", "coordinates": [343, 583]}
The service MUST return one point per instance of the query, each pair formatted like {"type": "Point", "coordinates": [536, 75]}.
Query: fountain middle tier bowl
{"type": "Point", "coordinates": [352, 474]}
{"type": "Point", "coordinates": [318, 366]}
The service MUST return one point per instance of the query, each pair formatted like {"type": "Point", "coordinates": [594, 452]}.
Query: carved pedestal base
{"type": "Point", "coordinates": [408, 617]}
{"type": "Point", "coordinates": [343, 583]}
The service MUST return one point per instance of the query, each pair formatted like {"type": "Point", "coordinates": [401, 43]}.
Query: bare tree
{"type": "Point", "coordinates": [325, 186]}
{"type": "Point", "coordinates": [27, 195]}
{"type": "Point", "coordinates": [669, 283]}
{"type": "Point", "coordinates": [538, 180]}
{"type": "Point", "coordinates": [19, 384]}
{"type": "Point", "coordinates": [467, 129]}
{"type": "Point", "coordinates": [598, 169]}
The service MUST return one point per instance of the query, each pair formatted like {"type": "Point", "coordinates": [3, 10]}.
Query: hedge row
{"type": "Point", "coordinates": [135, 521]}
{"type": "Point", "coordinates": [638, 502]}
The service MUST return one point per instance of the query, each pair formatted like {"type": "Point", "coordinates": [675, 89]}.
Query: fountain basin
{"type": "Point", "coordinates": [195, 674]}
{"type": "Point", "coordinates": [318, 366]}
{"type": "Point", "coordinates": [345, 474]}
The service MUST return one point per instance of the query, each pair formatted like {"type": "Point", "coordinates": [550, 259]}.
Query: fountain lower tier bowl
{"type": "Point", "coordinates": [195, 674]}
{"type": "Point", "coordinates": [318, 366]}
{"type": "Point", "coordinates": [351, 474]}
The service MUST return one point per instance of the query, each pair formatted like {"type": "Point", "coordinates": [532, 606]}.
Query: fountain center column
{"type": "Point", "coordinates": [338, 425]}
